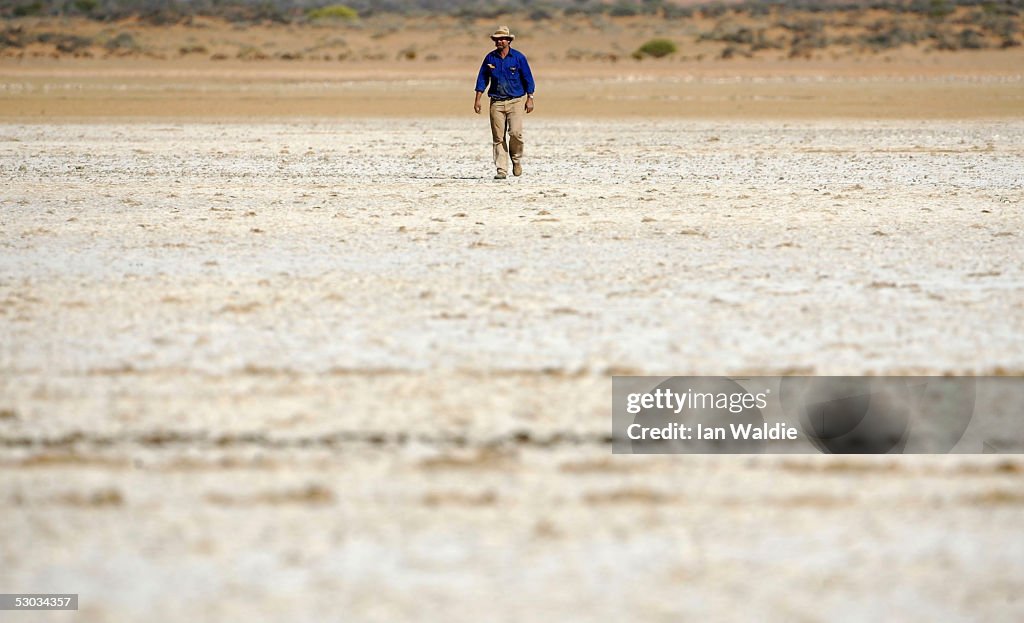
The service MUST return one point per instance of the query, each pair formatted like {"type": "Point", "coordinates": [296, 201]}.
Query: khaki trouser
{"type": "Point", "coordinates": [510, 113]}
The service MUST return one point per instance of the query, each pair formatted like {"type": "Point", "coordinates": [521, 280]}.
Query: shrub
{"type": "Point", "coordinates": [892, 35]}
{"type": "Point", "coordinates": [761, 42]}
{"type": "Point", "coordinates": [656, 48]}
{"type": "Point", "coordinates": [12, 38]}
{"type": "Point", "coordinates": [123, 42]}
{"type": "Point", "coordinates": [248, 53]}
{"type": "Point", "coordinates": [334, 12]}
{"type": "Point", "coordinates": [999, 25]}
{"type": "Point", "coordinates": [946, 42]}
{"type": "Point", "coordinates": [674, 11]}
{"type": "Point", "coordinates": [714, 10]}
{"type": "Point", "coordinates": [495, 11]}
{"type": "Point", "coordinates": [623, 9]}
{"type": "Point", "coordinates": [972, 39]}
{"type": "Point", "coordinates": [740, 35]}
{"type": "Point", "coordinates": [583, 9]}
{"type": "Point", "coordinates": [540, 14]}
{"type": "Point", "coordinates": [938, 9]}
{"type": "Point", "coordinates": [70, 44]}
{"type": "Point", "coordinates": [758, 10]}
{"type": "Point", "coordinates": [25, 10]}
{"type": "Point", "coordinates": [86, 6]}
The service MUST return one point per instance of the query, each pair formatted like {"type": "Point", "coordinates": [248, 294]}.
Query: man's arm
{"type": "Point", "coordinates": [528, 83]}
{"type": "Point", "coordinates": [481, 84]}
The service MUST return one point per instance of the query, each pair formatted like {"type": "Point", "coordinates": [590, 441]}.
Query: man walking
{"type": "Point", "coordinates": [511, 82]}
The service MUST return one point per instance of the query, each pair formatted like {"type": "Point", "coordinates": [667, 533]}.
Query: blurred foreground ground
{"type": "Point", "coordinates": [327, 369]}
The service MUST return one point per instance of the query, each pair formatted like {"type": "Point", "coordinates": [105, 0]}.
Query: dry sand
{"type": "Point", "coordinates": [327, 369]}
{"type": "Point", "coordinates": [984, 84]}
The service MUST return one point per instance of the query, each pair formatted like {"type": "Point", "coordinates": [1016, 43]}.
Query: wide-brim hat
{"type": "Point", "coordinates": [503, 33]}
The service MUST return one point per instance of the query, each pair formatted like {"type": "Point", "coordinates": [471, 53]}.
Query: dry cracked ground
{"type": "Point", "coordinates": [333, 371]}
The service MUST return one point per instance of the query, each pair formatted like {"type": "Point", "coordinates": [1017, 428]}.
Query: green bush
{"type": "Point", "coordinates": [674, 11]}
{"type": "Point", "coordinates": [25, 10]}
{"type": "Point", "coordinates": [714, 10]}
{"type": "Point", "coordinates": [656, 48]}
{"type": "Point", "coordinates": [938, 9]}
{"type": "Point", "coordinates": [334, 11]}
{"type": "Point", "coordinates": [541, 13]}
{"type": "Point", "coordinates": [86, 6]}
{"type": "Point", "coordinates": [623, 9]}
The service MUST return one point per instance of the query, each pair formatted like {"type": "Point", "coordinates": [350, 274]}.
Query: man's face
{"type": "Point", "coordinates": [501, 43]}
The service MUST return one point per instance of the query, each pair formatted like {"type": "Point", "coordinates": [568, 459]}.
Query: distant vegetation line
{"type": "Point", "coordinates": [292, 11]}
{"type": "Point", "coordinates": [790, 29]}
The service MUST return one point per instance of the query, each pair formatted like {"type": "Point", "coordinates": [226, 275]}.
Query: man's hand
{"type": "Point", "coordinates": [476, 102]}
{"type": "Point", "coordinates": [529, 105]}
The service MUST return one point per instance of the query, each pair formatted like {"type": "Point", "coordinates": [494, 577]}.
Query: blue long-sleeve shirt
{"type": "Point", "coordinates": [509, 77]}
